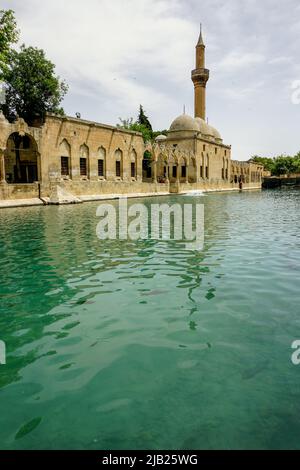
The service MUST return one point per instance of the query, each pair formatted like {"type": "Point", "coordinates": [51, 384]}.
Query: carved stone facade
{"type": "Point", "coordinates": [74, 159]}
{"type": "Point", "coordinates": [85, 158]}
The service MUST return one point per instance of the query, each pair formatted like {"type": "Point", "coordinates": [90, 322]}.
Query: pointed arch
{"type": "Point", "coordinates": [133, 163]}
{"type": "Point", "coordinates": [21, 159]}
{"type": "Point", "coordinates": [101, 162]}
{"type": "Point", "coordinates": [65, 158]}
{"type": "Point", "coordinates": [84, 154]}
{"type": "Point", "coordinates": [119, 163]}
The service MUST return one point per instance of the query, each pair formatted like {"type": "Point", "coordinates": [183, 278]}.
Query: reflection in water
{"type": "Point", "coordinates": [175, 347]}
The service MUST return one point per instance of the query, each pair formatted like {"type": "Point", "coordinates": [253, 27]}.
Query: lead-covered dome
{"type": "Point", "coordinates": [203, 127]}
{"type": "Point", "coordinates": [184, 123]}
{"type": "Point", "coordinates": [160, 138]}
{"type": "Point", "coordinates": [216, 133]}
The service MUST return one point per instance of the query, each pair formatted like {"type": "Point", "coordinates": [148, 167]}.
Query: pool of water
{"type": "Point", "coordinates": [143, 344]}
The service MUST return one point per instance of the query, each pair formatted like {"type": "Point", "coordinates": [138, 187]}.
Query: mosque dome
{"type": "Point", "coordinates": [203, 127]}
{"type": "Point", "coordinates": [216, 133]}
{"type": "Point", "coordinates": [184, 123]}
{"type": "Point", "coordinates": [160, 138]}
{"type": "Point", "coordinates": [188, 123]}
{"type": "Point", "coordinates": [210, 131]}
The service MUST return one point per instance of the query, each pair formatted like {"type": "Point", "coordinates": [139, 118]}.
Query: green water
{"type": "Point", "coordinates": [115, 345]}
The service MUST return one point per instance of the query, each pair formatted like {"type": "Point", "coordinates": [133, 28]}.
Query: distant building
{"type": "Point", "coordinates": [62, 158]}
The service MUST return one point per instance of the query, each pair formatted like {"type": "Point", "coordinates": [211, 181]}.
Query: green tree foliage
{"type": "Point", "coordinates": [9, 35]}
{"type": "Point", "coordinates": [131, 125]}
{"type": "Point", "coordinates": [143, 119]}
{"type": "Point", "coordinates": [142, 125]}
{"type": "Point", "coordinates": [268, 163]}
{"type": "Point", "coordinates": [32, 88]}
{"type": "Point", "coordinates": [281, 165]}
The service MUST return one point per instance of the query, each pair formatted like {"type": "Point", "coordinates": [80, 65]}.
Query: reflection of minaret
{"type": "Point", "coordinates": [200, 77]}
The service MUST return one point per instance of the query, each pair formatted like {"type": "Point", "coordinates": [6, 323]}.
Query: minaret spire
{"type": "Point", "coordinates": [200, 40]}
{"type": "Point", "coordinates": [200, 77]}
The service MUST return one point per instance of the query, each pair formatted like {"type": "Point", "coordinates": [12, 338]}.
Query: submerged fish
{"type": "Point", "coordinates": [253, 371]}
{"type": "Point", "coordinates": [28, 427]}
{"type": "Point", "coordinates": [155, 292]}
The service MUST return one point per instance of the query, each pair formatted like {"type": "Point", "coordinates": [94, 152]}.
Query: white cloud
{"type": "Point", "coordinates": [241, 93]}
{"type": "Point", "coordinates": [236, 60]}
{"type": "Point", "coordinates": [280, 60]}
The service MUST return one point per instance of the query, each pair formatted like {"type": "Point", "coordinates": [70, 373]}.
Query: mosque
{"type": "Point", "coordinates": [66, 159]}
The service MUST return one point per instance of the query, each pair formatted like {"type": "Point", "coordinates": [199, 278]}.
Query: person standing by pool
{"type": "Point", "coordinates": [241, 183]}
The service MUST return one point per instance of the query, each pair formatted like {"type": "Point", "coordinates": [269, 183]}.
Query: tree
{"type": "Point", "coordinates": [141, 125]}
{"type": "Point", "coordinates": [136, 127]}
{"type": "Point", "coordinates": [9, 35]}
{"type": "Point", "coordinates": [283, 165]}
{"type": "Point", "coordinates": [143, 119]}
{"type": "Point", "coordinates": [32, 88]}
{"type": "Point", "coordinates": [268, 163]}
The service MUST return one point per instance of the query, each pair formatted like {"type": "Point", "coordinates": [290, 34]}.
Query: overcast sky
{"type": "Point", "coordinates": [116, 54]}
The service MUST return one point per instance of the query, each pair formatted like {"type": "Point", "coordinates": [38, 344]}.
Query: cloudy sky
{"type": "Point", "coordinates": [116, 54]}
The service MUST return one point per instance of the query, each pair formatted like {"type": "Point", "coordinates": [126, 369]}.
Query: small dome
{"type": "Point", "coordinates": [210, 131]}
{"type": "Point", "coordinates": [184, 123]}
{"type": "Point", "coordinates": [216, 133]}
{"type": "Point", "coordinates": [204, 128]}
{"type": "Point", "coordinates": [160, 138]}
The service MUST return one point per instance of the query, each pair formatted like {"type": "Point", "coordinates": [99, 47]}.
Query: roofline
{"type": "Point", "coordinates": [92, 124]}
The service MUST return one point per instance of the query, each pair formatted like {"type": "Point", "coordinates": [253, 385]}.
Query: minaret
{"type": "Point", "coordinates": [200, 77]}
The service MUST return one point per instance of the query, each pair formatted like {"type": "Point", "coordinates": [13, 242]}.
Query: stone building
{"type": "Point", "coordinates": [65, 159]}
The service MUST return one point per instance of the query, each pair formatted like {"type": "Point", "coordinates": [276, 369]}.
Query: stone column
{"type": "Point", "coordinates": [2, 167]}
{"type": "Point", "coordinates": [170, 171]}
{"type": "Point", "coordinates": [186, 173]}
{"type": "Point", "coordinates": [154, 168]}
{"type": "Point", "coordinates": [167, 172]}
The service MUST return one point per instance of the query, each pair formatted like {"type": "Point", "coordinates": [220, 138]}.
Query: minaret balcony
{"type": "Point", "coordinates": [200, 76]}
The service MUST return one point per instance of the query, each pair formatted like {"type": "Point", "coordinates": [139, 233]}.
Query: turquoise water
{"type": "Point", "coordinates": [115, 345]}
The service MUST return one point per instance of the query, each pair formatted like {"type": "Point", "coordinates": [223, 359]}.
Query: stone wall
{"type": "Point", "coordinates": [69, 151]}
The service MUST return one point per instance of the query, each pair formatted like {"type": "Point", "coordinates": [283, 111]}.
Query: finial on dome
{"type": "Point", "coordinates": [200, 40]}
{"type": "Point", "coordinates": [184, 109]}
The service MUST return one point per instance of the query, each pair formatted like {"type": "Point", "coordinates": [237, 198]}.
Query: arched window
{"type": "Point", "coordinates": [207, 167]}
{"type": "Point", "coordinates": [119, 163]}
{"type": "Point", "coordinates": [182, 164]}
{"type": "Point", "coordinates": [21, 159]}
{"type": "Point", "coordinates": [65, 157]}
{"type": "Point", "coordinates": [101, 162]}
{"type": "Point", "coordinates": [84, 156]}
{"type": "Point", "coordinates": [202, 164]}
{"type": "Point", "coordinates": [147, 165]}
{"type": "Point", "coordinates": [133, 162]}
{"type": "Point", "coordinates": [223, 168]}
